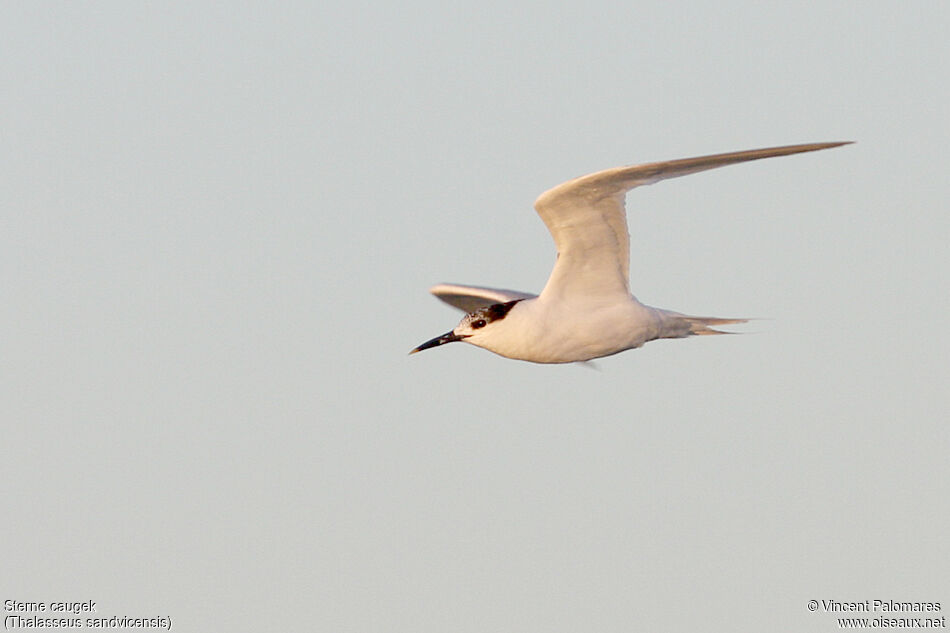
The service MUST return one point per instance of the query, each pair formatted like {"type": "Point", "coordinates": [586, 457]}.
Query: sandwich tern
{"type": "Point", "coordinates": [586, 310]}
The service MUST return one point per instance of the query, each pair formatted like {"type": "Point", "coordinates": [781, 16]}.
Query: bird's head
{"type": "Point", "coordinates": [474, 328]}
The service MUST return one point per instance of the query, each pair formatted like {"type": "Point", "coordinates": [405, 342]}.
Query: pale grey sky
{"type": "Point", "coordinates": [219, 222]}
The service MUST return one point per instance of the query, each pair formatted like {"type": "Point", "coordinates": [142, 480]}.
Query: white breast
{"type": "Point", "coordinates": [567, 332]}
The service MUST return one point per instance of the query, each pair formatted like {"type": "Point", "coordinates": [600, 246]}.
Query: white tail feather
{"type": "Point", "coordinates": [677, 325]}
{"type": "Point", "coordinates": [699, 326]}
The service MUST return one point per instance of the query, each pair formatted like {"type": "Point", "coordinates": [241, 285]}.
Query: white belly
{"type": "Point", "coordinates": [571, 333]}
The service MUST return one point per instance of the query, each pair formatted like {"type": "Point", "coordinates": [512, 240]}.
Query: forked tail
{"type": "Point", "coordinates": [677, 325]}
{"type": "Point", "coordinates": [699, 326]}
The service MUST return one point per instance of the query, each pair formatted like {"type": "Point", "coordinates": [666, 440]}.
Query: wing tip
{"type": "Point", "coordinates": [440, 287]}
{"type": "Point", "coordinates": [830, 144]}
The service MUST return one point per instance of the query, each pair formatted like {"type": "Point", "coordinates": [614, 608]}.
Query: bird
{"type": "Point", "coordinates": [586, 309]}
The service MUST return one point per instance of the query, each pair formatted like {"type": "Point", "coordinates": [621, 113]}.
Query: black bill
{"type": "Point", "coordinates": [449, 337]}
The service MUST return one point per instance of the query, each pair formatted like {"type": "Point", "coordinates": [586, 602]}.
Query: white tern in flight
{"type": "Point", "coordinates": [586, 310]}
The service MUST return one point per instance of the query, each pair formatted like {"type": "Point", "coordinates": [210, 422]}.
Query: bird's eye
{"type": "Point", "coordinates": [478, 324]}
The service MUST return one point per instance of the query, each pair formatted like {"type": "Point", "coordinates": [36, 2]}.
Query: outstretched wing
{"type": "Point", "coordinates": [471, 298]}
{"type": "Point", "coordinates": [586, 217]}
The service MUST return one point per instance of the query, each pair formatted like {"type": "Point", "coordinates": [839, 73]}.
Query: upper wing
{"type": "Point", "coordinates": [586, 217]}
{"type": "Point", "coordinates": [471, 298]}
